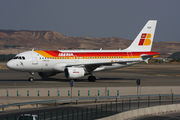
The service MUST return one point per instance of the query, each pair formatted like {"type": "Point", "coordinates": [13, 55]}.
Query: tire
{"type": "Point", "coordinates": [31, 79]}
{"type": "Point", "coordinates": [91, 78]}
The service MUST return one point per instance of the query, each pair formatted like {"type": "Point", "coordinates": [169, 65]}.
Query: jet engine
{"type": "Point", "coordinates": [47, 74]}
{"type": "Point", "coordinates": [73, 72]}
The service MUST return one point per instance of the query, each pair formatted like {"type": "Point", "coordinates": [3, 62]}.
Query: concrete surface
{"type": "Point", "coordinates": [144, 111]}
{"type": "Point", "coordinates": [43, 92]}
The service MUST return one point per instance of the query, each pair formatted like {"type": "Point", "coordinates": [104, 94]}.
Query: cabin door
{"type": "Point", "coordinates": [129, 56]}
{"type": "Point", "coordinates": [34, 59]}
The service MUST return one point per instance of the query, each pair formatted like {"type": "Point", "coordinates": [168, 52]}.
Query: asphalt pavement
{"type": "Point", "coordinates": [152, 76]}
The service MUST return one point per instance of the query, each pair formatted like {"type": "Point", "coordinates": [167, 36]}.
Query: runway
{"type": "Point", "coordinates": [150, 75]}
{"type": "Point", "coordinates": [155, 78]}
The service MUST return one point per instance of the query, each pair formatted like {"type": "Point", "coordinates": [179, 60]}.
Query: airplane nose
{"type": "Point", "coordinates": [10, 65]}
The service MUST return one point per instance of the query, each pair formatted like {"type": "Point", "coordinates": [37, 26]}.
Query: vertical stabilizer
{"type": "Point", "coordinates": [144, 40]}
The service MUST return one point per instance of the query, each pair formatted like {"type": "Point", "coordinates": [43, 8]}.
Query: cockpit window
{"type": "Point", "coordinates": [15, 57]}
{"type": "Point", "coordinates": [19, 57]}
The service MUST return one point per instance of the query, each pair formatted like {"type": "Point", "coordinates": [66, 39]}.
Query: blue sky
{"type": "Point", "coordinates": [93, 18]}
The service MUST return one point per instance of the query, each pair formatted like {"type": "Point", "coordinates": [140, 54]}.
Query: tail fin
{"type": "Point", "coordinates": [144, 40]}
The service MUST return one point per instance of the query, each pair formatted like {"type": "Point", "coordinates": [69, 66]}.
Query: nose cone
{"type": "Point", "coordinates": [10, 65]}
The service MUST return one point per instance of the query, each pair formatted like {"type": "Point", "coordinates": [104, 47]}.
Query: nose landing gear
{"type": "Point", "coordinates": [31, 79]}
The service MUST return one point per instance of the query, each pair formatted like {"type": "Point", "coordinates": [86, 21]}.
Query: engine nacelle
{"type": "Point", "coordinates": [72, 72]}
{"type": "Point", "coordinates": [47, 74]}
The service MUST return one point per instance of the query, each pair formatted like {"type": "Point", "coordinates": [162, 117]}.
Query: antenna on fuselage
{"type": "Point", "coordinates": [100, 48]}
{"type": "Point", "coordinates": [33, 49]}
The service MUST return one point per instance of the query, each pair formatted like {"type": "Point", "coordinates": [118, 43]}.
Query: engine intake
{"type": "Point", "coordinates": [72, 72]}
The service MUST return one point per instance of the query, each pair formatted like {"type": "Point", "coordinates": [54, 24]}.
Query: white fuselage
{"type": "Point", "coordinates": [38, 63]}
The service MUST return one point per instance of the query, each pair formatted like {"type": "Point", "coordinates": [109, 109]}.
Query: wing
{"type": "Point", "coordinates": [92, 66]}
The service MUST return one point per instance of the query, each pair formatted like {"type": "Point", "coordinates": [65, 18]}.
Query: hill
{"type": "Point", "coordinates": [13, 42]}
{"type": "Point", "coordinates": [176, 55]}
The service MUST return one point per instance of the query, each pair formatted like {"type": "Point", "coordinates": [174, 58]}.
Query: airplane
{"type": "Point", "coordinates": [78, 63]}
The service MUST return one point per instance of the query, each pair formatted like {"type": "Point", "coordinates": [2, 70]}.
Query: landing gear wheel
{"type": "Point", "coordinates": [31, 76]}
{"type": "Point", "coordinates": [31, 79]}
{"type": "Point", "coordinates": [91, 78]}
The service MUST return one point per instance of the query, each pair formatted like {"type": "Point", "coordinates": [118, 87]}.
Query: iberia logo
{"type": "Point", "coordinates": [145, 39]}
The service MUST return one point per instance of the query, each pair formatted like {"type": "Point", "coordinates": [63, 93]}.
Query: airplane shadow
{"type": "Point", "coordinates": [116, 79]}
{"type": "Point", "coordinates": [68, 80]}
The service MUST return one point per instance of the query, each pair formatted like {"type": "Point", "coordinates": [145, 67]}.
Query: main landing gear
{"type": "Point", "coordinates": [31, 76]}
{"type": "Point", "coordinates": [91, 78]}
